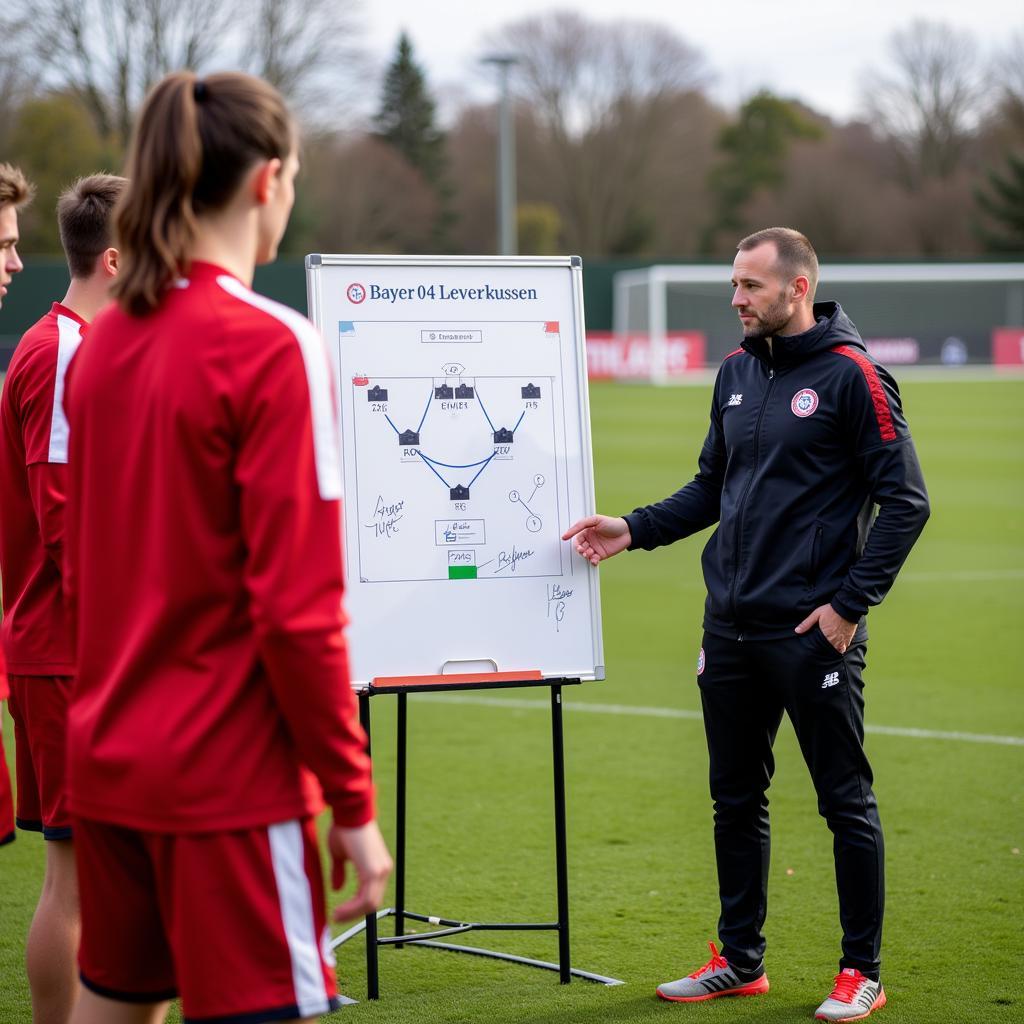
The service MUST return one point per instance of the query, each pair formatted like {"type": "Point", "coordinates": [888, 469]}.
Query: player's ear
{"type": "Point", "coordinates": [110, 261]}
{"type": "Point", "coordinates": [266, 179]}
{"type": "Point", "coordinates": [800, 287]}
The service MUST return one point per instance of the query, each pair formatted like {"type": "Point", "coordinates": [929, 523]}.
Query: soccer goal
{"type": "Point", "coordinates": [908, 313]}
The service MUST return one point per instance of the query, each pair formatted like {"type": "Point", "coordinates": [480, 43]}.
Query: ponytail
{"type": "Point", "coordinates": [194, 141]}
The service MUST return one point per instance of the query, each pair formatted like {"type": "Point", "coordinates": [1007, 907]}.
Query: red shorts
{"type": "Point", "coordinates": [39, 707]}
{"type": "Point", "coordinates": [233, 922]}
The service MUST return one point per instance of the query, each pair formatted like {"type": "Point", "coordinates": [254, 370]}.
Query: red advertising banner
{"type": "Point", "coordinates": [893, 351]}
{"type": "Point", "coordinates": [628, 356]}
{"type": "Point", "coordinates": [1008, 346]}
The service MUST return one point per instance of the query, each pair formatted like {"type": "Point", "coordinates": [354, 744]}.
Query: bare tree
{"type": "Point", "coordinates": [1008, 83]}
{"type": "Point", "coordinates": [108, 53]}
{"type": "Point", "coordinates": [930, 99]}
{"type": "Point", "coordinates": [15, 81]}
{"type": "Point", "coordinates": [602, 102]}
{"type": "Point", "coordinates": [361, 195]}
{"type": "Point", "coordinates": [472, 154]}
{"type": "Point", "coordinates": [309, 49]}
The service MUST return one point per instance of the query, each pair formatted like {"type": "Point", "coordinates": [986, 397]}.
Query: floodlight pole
{"type": "Point", "coordinates": [508, 242]}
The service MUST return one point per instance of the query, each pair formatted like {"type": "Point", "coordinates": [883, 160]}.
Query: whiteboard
{"type": "Point", "coordinates": [465, 430]}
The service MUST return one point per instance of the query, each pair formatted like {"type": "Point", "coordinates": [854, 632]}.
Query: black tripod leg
{"type": "Point", "coordinates": [561, 854]}
{"type": "Point", "coordinates": [372, 981]}
{"type": "Point", "coordinates": [400, 791]}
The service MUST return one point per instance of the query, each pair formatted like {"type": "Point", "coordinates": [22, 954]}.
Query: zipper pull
{"type": "Point", "coordinates": [771, 374]}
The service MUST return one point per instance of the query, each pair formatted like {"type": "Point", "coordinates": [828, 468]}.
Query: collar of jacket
{"type": "Point", "coordinates": [832, 327]}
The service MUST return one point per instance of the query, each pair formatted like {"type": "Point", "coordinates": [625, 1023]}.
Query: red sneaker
{"type": "Point", "coordinates": [853, 998]}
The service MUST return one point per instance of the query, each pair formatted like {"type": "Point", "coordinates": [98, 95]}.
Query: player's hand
{"type": "Point", "coordinates": [599, 537]}
{"type": "Point", "coordinates": [838, 631]}
{"type": "Point", "coordinates": [364, 847]}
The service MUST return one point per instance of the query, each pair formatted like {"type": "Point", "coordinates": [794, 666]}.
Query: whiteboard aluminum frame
{"type": "Point", "coordinates": [314, 294]}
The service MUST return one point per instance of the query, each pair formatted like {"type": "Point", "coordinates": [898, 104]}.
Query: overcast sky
{"type": "Point", "coordinates": [817, 50]}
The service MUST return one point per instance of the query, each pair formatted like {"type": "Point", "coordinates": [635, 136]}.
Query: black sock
{"type": "Point", "coordinates": [748, 973]}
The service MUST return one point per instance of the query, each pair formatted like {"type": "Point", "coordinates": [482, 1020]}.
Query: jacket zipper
{"type": "Point", "coordinates": [743, 501]}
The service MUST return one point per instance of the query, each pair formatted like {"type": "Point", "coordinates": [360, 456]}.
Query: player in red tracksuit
{"type": "Point", "coordinates": [35, 631]}
{"type": "Point", "coordinates": [15, 191]}
{"type": "Point", "coordinates": [205, 575]}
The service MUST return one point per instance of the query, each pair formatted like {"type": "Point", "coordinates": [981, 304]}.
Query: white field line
{"type": "Point", "coordinates": [924, 576]}
{"type": "Point", "coordinates": [962, 575]}
{"type": "Point", "coordinates": [522, 704]}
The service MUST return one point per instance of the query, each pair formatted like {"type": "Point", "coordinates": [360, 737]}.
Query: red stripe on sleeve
{"type": "Point", "coordinates": [878, 399]}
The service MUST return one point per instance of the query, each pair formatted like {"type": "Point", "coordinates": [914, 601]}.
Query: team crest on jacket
{"type": "Point", "coordinates": [700, 661]}
{"type": "Point", "coordinates": [805, 401]}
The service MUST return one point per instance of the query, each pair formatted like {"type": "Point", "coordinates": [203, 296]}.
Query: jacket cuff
{"type": "Point", "coordinates": [851, 612]}
{"type": "Point", "coordinates": [639, 531]}
{"type": "Point", "coordinates": [354, 811]}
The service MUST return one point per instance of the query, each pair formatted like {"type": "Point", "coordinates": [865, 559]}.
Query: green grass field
{"type": "Point", "coordinates": [945, 657]}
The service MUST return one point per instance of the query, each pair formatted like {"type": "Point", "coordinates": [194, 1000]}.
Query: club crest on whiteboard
{"type": "Point", "coordinates": [356, 293]}
{"type": "Point", "coordinates": [804, 402]}
{"type": "Point", "coordinates": [700, 662]}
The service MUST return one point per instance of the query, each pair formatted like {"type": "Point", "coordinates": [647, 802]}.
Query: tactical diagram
{"type": "Point", "coordinates": [456, 473]}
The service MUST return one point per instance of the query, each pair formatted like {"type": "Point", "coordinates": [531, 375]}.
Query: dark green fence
{"type": "Point", "coordinates": [45, 280]}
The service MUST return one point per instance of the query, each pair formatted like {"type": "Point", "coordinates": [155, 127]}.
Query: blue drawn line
{"type": "Point", "coordinates": [456, 465]}
{"type": "Point", "coordinates": [518, 421]}
{"type": "Point", "coordinates": [425, 410]}
{"type": "Point", "coordinates": [426, 463]}
{"type": "Point", "coordinates": [393, 427]}
{"type": "Point", "coordinates": [482, 409]}
{"type": "Point", "coordinates": [479, 471]}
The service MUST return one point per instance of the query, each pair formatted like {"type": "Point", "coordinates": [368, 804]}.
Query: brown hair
{"type": "Point", "coordinates": [83, 216]}
{"type": "Point", "coordinates": [796, 256]}
{"type": "Point", "coordinates": [193, 143]}
{"type": "Point", "coordinates": [14, 186]}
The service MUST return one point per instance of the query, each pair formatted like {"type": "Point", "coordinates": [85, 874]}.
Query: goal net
{"type": "Point", "coordinates": [908, 313]}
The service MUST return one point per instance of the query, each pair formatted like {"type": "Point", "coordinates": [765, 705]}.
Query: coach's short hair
{"type": "Point", "coordinates": [85, 220]}
{"type": "Point", "coordinates": [15, 188]}
{"type": "Point", "coordinates": [796, 255]}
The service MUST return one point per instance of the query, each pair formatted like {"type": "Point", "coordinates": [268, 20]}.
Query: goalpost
{"type": "Point", "coordinates": [913, 312]}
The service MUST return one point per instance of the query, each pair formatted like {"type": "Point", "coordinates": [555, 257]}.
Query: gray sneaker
{"type": "Point", "coordinates": [853, 998]}
{"type": "Point", "coordinates": [716, 978]}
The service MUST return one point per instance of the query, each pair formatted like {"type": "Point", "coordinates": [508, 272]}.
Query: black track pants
{"type": "Point", "coordinates": [745, 687]}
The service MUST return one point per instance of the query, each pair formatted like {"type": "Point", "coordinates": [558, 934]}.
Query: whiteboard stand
{"type": "Point", "coordinates": [446, 927]}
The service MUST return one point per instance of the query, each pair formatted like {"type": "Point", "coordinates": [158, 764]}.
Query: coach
{"type": "Point", "coordinates": [807, 436]}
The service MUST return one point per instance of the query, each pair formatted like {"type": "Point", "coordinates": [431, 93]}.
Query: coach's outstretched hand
{"type": "Point", "coordinates": [599, 537]}
{"type": "Point", "coordinates": [364, 847]}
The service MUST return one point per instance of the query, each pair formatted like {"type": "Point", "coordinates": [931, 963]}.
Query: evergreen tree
{"type": "Point", "coordinates": [406, 121]}
{"type": "Point", "coordinates": [754, 150]}
{"type": "Point", "coordinates": [1003, 206]}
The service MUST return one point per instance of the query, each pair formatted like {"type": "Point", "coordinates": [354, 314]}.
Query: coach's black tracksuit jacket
{"type": "Point", "coordinates": [803, 443]}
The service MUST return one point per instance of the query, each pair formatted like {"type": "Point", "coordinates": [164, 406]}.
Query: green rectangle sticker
{"type": "Point", "coordinates": [462, 572]}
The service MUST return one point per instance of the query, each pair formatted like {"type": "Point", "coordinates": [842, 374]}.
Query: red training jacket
{"type": "Point", "coordinates": [33, 457]}
{"type": "Point", "coordinates": [204, 569]}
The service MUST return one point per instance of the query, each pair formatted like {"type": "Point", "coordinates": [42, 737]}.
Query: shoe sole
{"type": "Point", "coordinates": [879, 1002]}
{"type": "Point", "coordinates": [753, 988]}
